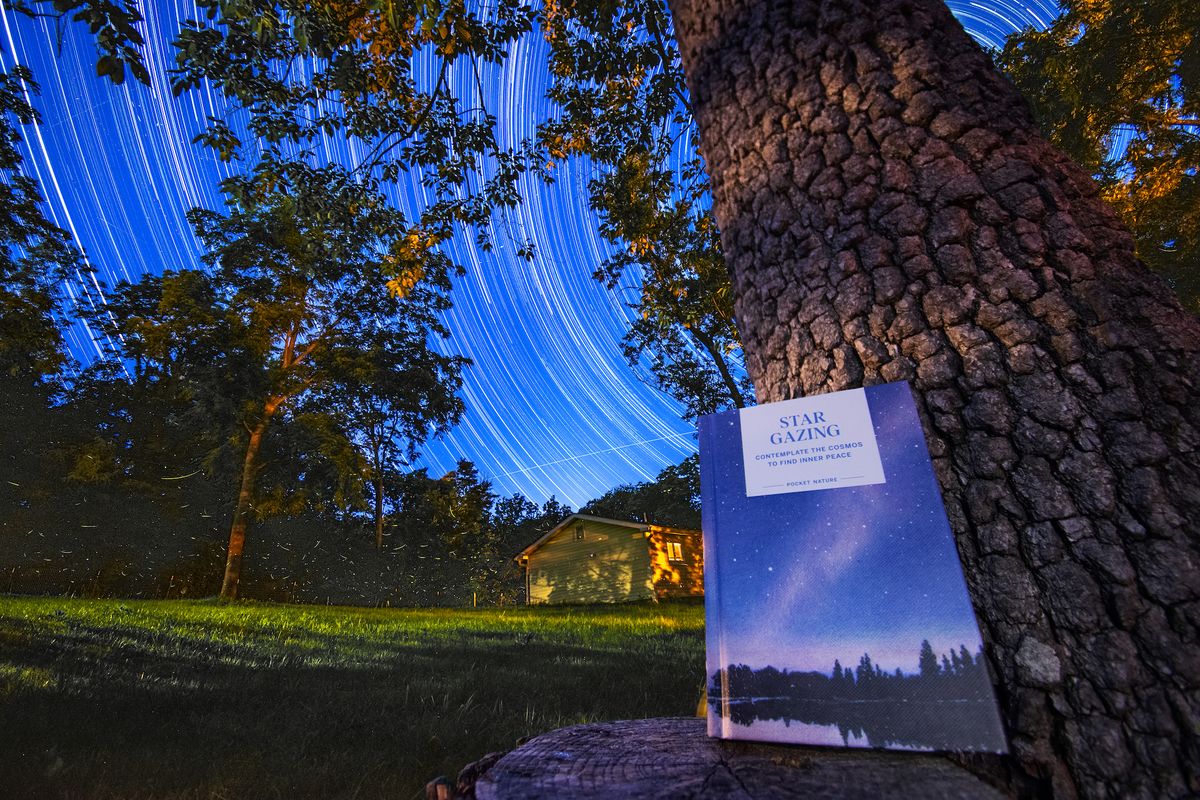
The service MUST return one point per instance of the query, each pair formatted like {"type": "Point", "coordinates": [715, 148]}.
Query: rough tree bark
{"type": "Point", "coordinates": [888, 212]}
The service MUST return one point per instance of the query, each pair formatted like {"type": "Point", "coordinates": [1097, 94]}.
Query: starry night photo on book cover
{"type": "Point", "coordinates": [837, 613]}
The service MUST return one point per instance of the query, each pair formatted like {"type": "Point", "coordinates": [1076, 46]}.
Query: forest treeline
{"type": "Point", "coordinates": [106, 494]}
{"type": "Point", "coordinates": [957, 676]}
{"type": "Point", "coordinates": [282, 390]}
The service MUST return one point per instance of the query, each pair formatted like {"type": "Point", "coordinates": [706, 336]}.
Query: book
{"type": "Point", "coordinates": [836, 608]}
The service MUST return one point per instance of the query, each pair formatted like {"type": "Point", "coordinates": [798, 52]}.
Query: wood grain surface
{"type": "Point", "coordinates": [674, 758]}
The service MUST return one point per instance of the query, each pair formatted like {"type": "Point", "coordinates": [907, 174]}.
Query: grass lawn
{"type": "Point", "coordinates": [129, 699]}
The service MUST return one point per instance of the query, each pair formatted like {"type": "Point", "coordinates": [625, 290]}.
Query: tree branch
{"type": "Point", "coordinates": [376, 157]}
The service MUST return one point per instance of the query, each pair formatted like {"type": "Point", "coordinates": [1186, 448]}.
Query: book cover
{"type": "Point", "coordinates": [837, 613]}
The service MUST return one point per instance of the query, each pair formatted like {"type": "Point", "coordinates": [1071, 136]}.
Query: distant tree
{"type": "Point", "coordinates": [927, 663]}
{"type": "Point", "coordinates": [313, 263]}
{"type": "Point", "coordinates": [164, 399]}
{"type": "Point", "coordinates": [510, 515]}
{"type": "Point", "coordinates": [553, 512]}
{"type": "Point", "coordinates": [673, 498]}
{"type": "Point", "coordinates": [461, 505]}
{"type": "Point", "coordinates": [392, 393]}
{"type": "Point", "coordinates": [1117, 87]}
{"type": "Point", "coordinates": [447, 527]}
{"type": "Point", "coordinates": [964, 658]}
{"type": "Point", "coordinates": [865, 673]}
{"type": "Point", "coordinates": [518, 522]}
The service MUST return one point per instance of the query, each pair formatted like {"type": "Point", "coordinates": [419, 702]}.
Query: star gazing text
{"type": "Point", "coordinates": [804, 428]}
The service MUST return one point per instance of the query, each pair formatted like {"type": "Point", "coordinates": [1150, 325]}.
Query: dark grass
{"type": "Point", "coordinates": [127, 699]}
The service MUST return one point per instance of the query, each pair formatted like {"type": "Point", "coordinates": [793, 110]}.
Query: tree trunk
{"type": "Point", "coordinates": [673, 757]}
{"type": "Point", "coordinates": [888, 212]}
{"type": "Point", "coordinates": [378, 484]}
{"type": "Point", "coordinates": [241, 513]}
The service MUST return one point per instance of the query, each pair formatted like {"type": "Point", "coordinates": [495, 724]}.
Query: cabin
{"type": "Point", "coordinates": [587, 559]}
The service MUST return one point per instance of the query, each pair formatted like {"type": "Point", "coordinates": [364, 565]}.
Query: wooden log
{"type": "Point", "coordinates": [674, 758]}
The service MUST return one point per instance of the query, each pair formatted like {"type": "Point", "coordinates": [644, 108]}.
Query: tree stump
{"type": "Point", "coordinates": [674, 757]}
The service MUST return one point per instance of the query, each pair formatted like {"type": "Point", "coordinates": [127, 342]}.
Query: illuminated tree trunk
{"type": "Point", "coordinates": [888, 212]}
{"type": "Point", "coordinates": [245, 506]}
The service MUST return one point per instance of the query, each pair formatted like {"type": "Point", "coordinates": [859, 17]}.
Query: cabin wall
{"type": "Point", "coordinates": [676, 572]}
{"type": "Point", "coordinates": [610, 564]}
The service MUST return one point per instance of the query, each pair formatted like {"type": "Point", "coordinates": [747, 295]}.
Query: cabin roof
{"type": "Point", "coordinates": [640, 526]}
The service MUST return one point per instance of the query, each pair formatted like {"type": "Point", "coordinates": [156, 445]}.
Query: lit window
{"type": "Point", "coordinates": [674, 551]}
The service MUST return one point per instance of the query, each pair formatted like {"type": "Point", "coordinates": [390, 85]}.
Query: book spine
{"type": "Point", "coordinates": [709, 523]}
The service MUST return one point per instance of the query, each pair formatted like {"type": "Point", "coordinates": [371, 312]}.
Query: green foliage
{"type": "Point", "coordinates": [112, 23]}
{"type": "Point", "coordinates": [295, 72]}
{"type": "Point", "coordinates": [619, 84]}
{"type": "Point", "coordinates": [452, 510]}
{"type": "Point", "coordinates": [313, 318]}
{"type": "Point", "coordinates": [35, 257]}
{"type": "Point", "coordinates": [158, 700]}
{"type": "Point", "coordinates": [168, 397]}
{"type": "Point", "coordinates": [1106, 73]}
{"type": "Point", "coordinates": [302, 263]}
{"type": "Point", "coordinates": [391, 397]}
{"type": "Point", "coordinates": [519, 522]}
{"type": "Point", "coordinates": [35, 254]}
{"type": "Point", "coordinates": [672, 499]}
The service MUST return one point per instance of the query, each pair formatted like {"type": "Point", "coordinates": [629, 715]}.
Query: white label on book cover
{"type": "Point", "coordinates": [810, 443]}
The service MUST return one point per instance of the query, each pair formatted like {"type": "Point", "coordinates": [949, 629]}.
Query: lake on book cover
{"type": "Point", "coordinates": [902, 725]}
{"type": "Point", "coordinates": [945, 706]}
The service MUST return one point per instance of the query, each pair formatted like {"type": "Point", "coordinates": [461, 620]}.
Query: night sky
{"type": "Point", "coordinates": [552, 406]}
{"type": "Point", "coordinates": [833, 573]}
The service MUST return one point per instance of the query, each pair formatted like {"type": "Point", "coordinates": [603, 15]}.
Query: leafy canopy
{"type": "Point", "coordinates": [618, 80]}
{"type": "Point", "coordinates": [35, 254]}
{"type": "Point", "coordinates": [113, 24]}
{"type": "Point", "coordinates": [301, 255]}
{"type": "Point", "coordinates": [290, 323]}
{"type": "Point", "coordinates": [1117, 86]}
{"type": "Point", "coordinates": [376, 73]}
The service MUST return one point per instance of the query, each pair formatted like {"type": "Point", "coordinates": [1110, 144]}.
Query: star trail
{"type": "Point", "coordinates": [552, 406]}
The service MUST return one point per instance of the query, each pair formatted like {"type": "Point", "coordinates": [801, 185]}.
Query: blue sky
{"type": "Point", "coordinates": [838, 572]}
{"type": "Point", "coordinates": [552, 406]}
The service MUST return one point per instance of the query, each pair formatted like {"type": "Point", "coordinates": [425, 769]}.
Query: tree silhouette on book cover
{"type": "Point", "coordinates": [796, 582]}
{"type": "Point", "coordinates": [944, 705]}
